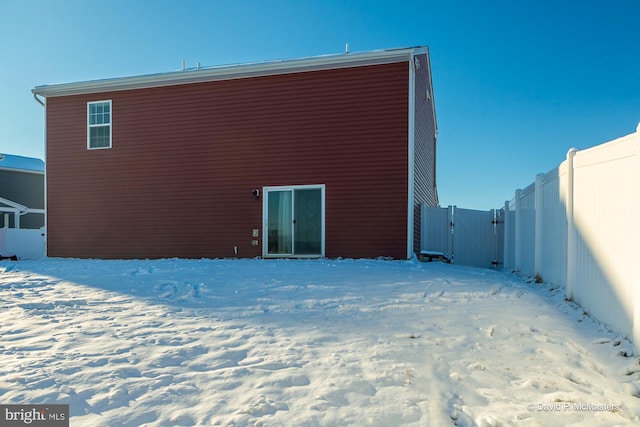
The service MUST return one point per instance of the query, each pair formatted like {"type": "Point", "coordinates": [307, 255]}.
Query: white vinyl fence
{"type": "Point", "coordinates": [22, 243]}
{"type": "Point", "coordinates": [536, 229]}
{"type": "Point", "coordinates": [577, 226]}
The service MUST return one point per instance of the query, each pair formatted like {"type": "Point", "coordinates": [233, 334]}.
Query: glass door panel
{"type": "Point", "coordinates": [307, 221]}
{"type": "Point", "coordinates": [280, 222]}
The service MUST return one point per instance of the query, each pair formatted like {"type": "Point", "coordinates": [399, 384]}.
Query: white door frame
{"type": "Point", "coordinates": [265, 219]}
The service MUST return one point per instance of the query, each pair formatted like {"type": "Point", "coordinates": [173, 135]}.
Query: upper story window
{"type": "Point", "coordinates": [99, 124]}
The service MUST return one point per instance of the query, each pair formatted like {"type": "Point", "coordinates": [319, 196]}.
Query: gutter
{"type": "Point", "coordinates": [228, 72]}
{"type": "Point", "coordinates": [34, 172]}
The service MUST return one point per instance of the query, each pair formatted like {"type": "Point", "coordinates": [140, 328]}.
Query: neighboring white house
{"type": "Point", "coordinates": [22, 213]}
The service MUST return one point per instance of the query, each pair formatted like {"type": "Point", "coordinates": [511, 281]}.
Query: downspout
{"type": "Point", "coordinates": [411, 154]}
{"type": "Point", "coordinates": [44, 105]}
{"type": "Point", "coordinates": [35, 96]}
{"type": "Point", "coordinates": [432, 99]}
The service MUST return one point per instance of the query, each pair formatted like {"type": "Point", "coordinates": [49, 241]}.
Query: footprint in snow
{"type": "Point", "coordinates": [141, 271]}
{"type": "Point", "coordinates": [436, 294]}
{"type": "Point", "coordinates": [178, 291]}
{"type": "Point", "coordinates": [166, 290]}
{"type": "Point", "coordinates": [631, 368]}
{"type": "Point", "coordinates": [575, 346]}
{"type": "Point", "coordinates": [264, 406]}
{"type": "Point", "coordinates": [494, 290]}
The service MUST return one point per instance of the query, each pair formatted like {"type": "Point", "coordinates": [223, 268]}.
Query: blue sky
{"type": "Point", "coordinates": [516, 83]}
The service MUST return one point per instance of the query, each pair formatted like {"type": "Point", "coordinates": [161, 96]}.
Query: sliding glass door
{"type": "Point", "coordinates": [294, 221]}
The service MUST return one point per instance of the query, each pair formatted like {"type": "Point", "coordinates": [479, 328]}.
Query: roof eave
{"type": "Point", "coordinates": [228, 72]}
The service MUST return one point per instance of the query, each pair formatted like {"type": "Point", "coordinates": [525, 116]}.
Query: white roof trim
{"type": "Point", "coordinates": [228, 72]}
{"type": "Point", "coordinates": [14, 205]}
{"type": "Point", "coordinates": [12, 163]}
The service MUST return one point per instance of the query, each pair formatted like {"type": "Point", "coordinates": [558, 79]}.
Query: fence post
{"type": "Point", "coordinates": [451, 233]}
{"type": "Point", "coordinates": [571, 232]}
{"type": "Point", "coordinates": [518, 232]}
{"type": "Point", "coordinates": [507, 252]}
{"type": "Point", "coordinates": [494, 227]}
{"type": "Point", "coordinates": [537, 249]}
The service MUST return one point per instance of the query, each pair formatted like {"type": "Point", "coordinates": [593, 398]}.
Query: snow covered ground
{"type": "Point", "coordinates": [305, 343]}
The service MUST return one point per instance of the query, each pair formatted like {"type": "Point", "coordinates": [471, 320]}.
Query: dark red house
{"type": "Point", "coordinates": [322, 156]}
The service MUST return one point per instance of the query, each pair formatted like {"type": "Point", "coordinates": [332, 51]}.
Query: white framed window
{"type": "Point", "coordinates": [98, 124]}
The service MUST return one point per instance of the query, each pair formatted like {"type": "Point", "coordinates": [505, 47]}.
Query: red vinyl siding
{"type": "Point", "coordinates": [185, 158]}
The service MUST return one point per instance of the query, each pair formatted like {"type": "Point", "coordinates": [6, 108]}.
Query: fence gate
{"type": "Point", "coordinates": [436, 230]}
{"type": "Point", "coordinates": [470, 237]}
